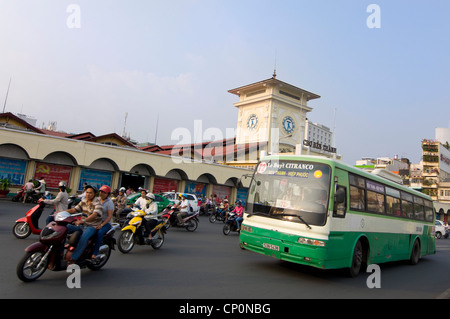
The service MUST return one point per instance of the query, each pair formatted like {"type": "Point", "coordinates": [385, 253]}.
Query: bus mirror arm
{"type": "Point", "coordinates": [248, 176]}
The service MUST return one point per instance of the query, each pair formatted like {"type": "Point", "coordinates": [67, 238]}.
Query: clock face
{"type": "Point", "coordinates": [288, 124]}
{"type": "Point", "coordinates": [252, 122]}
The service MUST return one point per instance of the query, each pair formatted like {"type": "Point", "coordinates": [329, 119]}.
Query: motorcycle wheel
{"type": "Point", "coordinates": [192, 225]}
{"type": "Point", "coordinates": [27, 267]}
{"type": "Point", "coordinates": [158, 240]}
{"type": "Point", "coordinates": [126, 241]}
{"type": "Point", "coordinates": [21, 230]}
{"type": "Point", "coordinates": [226, 229]}
{"type": "Point", "coordinates": [212, 218]}
{"type": "Point", "coordinates": [104, 250]}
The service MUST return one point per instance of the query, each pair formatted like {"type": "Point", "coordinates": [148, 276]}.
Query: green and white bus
{"type": "Point", "coordinates": [323, 213]}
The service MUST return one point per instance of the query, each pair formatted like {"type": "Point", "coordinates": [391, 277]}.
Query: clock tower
{"type": "Point", "coordinates": [272, 114]}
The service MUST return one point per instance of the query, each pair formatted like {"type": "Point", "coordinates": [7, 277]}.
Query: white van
{"type": "Point", "coordinates": [173, 197]}
{"type": "Point", "coordinates": [440, 229]}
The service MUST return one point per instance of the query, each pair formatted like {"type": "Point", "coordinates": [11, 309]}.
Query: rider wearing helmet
{"type": "Point", "coordinates": [61, 202]}
{"type": "Point", "coordinates": [184, 209]}
{"type": "Point", "coordinates": [239, 213]}
{"type": "Point", "coordinates": [151, 209]}
{"type": "Point", "coordinates": [120, 202]}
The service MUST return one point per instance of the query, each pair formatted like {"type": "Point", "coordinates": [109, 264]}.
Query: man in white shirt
{"type": "Point", "coordinates": [184, 209]}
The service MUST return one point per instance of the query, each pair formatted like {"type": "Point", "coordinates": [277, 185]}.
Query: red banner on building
{"type": "Point", "coordinates": [161, 185]}
{"type": "Point", "coordinates": [52, 174]}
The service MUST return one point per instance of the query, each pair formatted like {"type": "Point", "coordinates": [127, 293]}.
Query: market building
{"type": "Point", "coordinates": [27, 152]}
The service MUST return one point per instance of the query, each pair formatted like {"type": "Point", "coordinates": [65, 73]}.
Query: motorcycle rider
{"type": "Point", "coordinates": [29, 189]}
{"type": "Point", "coordinates": [224, 208]}
{"type": "Point", "coordinates": [61, 202]}
{"type": "Point", "coordinates": [120, 202]}
{"type": "Point", "coordinates": [151, 209]}
{"type": "Point", "coordinates": [239, 212]}
{"type": "Point", "coordinates": [141, 202]}
{"type": "Point", "coordinates": [107, 214]}
{"type": "Point", "coordinates": [41, 188]}
{"type": "Point", "coordinates": [184, 209]}
{"type": "Point", "coordinates": [91, 206]}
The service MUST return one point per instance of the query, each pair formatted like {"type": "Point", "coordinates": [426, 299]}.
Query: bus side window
{"type": "Point", "coordinates": [340, 202]}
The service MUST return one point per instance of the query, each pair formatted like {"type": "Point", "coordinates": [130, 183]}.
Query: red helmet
{"type": "Point", "coordinates": [106, 189]}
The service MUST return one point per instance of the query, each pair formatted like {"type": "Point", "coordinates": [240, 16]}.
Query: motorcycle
{"type": "Point", "coordinates": [51, 253]}
{"type": "Point", "coordinates": [33, 197]}
{"type": "Point", "coordinates": [19, 195]}
{"type": "Point", "coordinates": [133, 233]}
{"type": "Point", "coordinates": [29, 224]}
{"type": "Point", "coordinates": [190, 222]}
{"type": "Point", "coordinates": [230, 224]}
{"type": "Point", "coordinates": [217, 214]}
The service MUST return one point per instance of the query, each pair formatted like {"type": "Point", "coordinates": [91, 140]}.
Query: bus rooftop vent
{"type": "Point", "coordinates": [388, 175]}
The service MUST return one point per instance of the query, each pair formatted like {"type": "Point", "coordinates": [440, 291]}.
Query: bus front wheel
{"type": "Point", "coordinates": [357, 260]}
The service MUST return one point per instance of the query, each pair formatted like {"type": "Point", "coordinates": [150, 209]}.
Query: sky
{"type": "Point", "coordinates": [382, 72]}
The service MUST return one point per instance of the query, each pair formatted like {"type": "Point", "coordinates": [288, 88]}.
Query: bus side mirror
{"type": "Point", "coordinates": [339, 195]}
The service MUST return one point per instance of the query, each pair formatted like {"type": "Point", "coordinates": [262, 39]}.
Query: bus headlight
{"type": "Point", "coordinates": [311, 242]}
{"type": "Point", "coordinates": [247, 228]}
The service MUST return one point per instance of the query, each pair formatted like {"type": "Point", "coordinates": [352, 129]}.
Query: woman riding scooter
{"type": "Point", "coordinates": [93, 208]}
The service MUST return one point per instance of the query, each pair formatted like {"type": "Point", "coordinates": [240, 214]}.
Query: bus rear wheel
{"type": "Point", "coordinates": [415, 253]}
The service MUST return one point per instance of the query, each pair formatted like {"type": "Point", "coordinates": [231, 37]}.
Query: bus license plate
{"type": "Point", "coordinates": [271, 247]}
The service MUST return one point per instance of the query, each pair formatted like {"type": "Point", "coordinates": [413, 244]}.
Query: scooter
{"type": "Point", "coordinates": [230, 224]}
{"type": "Point", "coordinates": [217, 215]}
{"type": "Point", "coordinates": [33, 197]}
{"type": "Point", "coordinates": [29, 224]}
{"type": "Point", "coordinates": [19, 195]}
{"type": "Point", "coordinates": [51, 253]}
{"type": "Point", "coordinates": [190, 222]}
{"type": "Point", "coordinates": [133, 232]}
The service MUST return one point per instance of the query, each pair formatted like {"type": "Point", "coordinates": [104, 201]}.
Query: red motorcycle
{"type": "Point", "coordinates": [19, 195]}
{"type": "Point", "coordinates": [29, 224]}
{"type": "Point", "coordinates": [50, 252]}
{"type": "Point", "coordinates": [190, 222]}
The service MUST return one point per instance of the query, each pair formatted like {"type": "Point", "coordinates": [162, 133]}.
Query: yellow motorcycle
{"type": "Point", "coordinates": [133, 232]}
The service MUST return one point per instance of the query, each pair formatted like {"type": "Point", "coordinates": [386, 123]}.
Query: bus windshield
{"type": "Point", "coordinates": [295, 191]}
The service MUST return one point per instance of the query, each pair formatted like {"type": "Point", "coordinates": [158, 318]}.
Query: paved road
{"type": "Point", "coordinates": [207, 264]}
